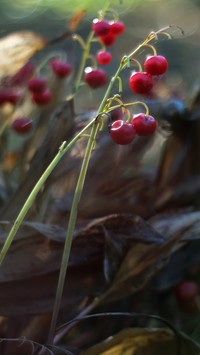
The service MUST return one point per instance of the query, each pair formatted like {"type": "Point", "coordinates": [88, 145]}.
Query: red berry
{"type": "Point", "coordinates": [104, 57]}
{"type": "Point", "coordinates": [144, 125]}
{"type": "Point", "coordinates": [186, 291]}
{"type": "Point", "coordinates": [13, 97]}
{"type": "Point", "coordinates": [100, 27]}
{"type": "Point", "coordinates": [116, 114]}
{"type": "Point", "coordinates": [42, 98]}
{"type": "Point", "coordinates": [61, 69]}
{"type": "Point", "coordinates": [108, 40]}
{"type": "Point", "coordinates": [3, 97]}
{"type": "Point", "coordinates": [156, 65]}
{"type": "Point", "coordinates": [9, 96]}
{"type": "Point", "coordinates": [141, 83]}
{"type": "Point", "coordinates": [37, 85]}
{"type": "Point", "coordinates": [23, 74]}
{"type": "Point", "coordinates": [22, 125]}
{"type": "Point", "coordinates": [117, 28]}
{"type": "Point", "coordinates": [95, 78]}
{"type": "Point", "coordinates": [121, 132]}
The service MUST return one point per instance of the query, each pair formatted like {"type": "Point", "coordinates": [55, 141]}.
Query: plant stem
{"type": "Point", "coordinates": [71, 227]}
{"type": "Point", "coordinates": [74, 209]}
{"type": "Point", "coordinates": [86, 52]}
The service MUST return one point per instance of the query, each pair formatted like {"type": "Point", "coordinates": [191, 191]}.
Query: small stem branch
{"type": "Point", "coordinates": [86, 52]}
{"type": "Point", "coordinates": [62, 332]}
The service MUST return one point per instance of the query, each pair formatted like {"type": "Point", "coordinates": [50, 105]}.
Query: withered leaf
{"type": "Point", "coordinates": [30, 287]}
{"type": "Point", "coordinates": [76, 19]}
{"type": "Point", "coordinates": [143, 342]}
{"type": "Point", "coordinates": [141, 263]}
{"type": "Point", "coordinates": [185, 223]}
{"type": "Point", "coordinates": [16, 49]}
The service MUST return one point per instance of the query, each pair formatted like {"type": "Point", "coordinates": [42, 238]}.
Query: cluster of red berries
{"type": "Point", "coordinates": [142, 82]}
{"type": "Point", "coordinates": [106, 31]}
{"type": "Point", "coordinates": [38, 87]}
{"type": "Point", "coordinates": [123, 133]}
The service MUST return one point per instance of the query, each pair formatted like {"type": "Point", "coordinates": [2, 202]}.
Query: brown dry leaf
{"type": "Point", "coordinates": [185, 223]}
{"type": "Point", "coordinates": [76, 19]}
{"type": "Point", "coordinates": [140, 264]}
{"type": "Point", "coordinates": [16, 49]}
{"type": "Point", "coordinates": [143, 342]}
{"type": "Point", "coordinates": [30, 287]}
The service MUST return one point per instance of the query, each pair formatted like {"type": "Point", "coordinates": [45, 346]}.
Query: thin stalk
{"type": "Point", "coordinates": [71, 227]}
{"type": "Point", "coordinates": [86, 52]}
{"type": "Point", "coordinates": [74, 209]}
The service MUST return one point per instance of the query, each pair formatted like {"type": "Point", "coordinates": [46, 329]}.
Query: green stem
{"type": "Point", "coordinates": [71, 227]}
{"type": "Point", "coordinates": [74, 209]}
{"type": "Point", "coordinates": [86, 52]}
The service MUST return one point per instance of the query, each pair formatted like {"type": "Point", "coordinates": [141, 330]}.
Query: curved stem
{"type": "Point", "coordinates": [83, 61]}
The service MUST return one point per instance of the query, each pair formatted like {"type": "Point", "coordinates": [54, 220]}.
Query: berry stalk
{"type": "Point", "coordinates": [71, 227]}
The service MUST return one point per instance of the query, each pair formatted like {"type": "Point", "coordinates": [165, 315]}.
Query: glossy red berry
{"type": "Point", "coordinates": [117, 28]}
{"type": "Point", "coordinates": [144, 125]}
{"type": "Point", "coordinates": [42, 98]}
{"type": "Point", "coordinates": [141, 83]}
{"type": "Point", "coordinates": [61, 69]}
{"type": "Point", "coordinates": [22, 125]}
{"type": "Point", "coordinates": [100, 27]}
{"type": "Point", "coordinates": [156, 65]}
{"type": "Point", "coordinates": [121, 132]}
{"type": "Point", "coordinates": [95, 78]}
{"type": "Point", "coordinates": [108, 40]}
{"type": "Point", "coordinates": [37, 85]}
{"type": "Point", "coordinates": [186, 291]}
{"type": "Point", "coordinates": [104, 57]}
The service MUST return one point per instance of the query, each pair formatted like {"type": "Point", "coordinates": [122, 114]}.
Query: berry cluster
{"type": "Point", "coordinates": [37, 86]}
{"type": "Point", "coordinates": [142, 82]}
{"type": "Point", "coordinates": [123, 133]}
{"type": "Point", "coordinates": [106, 31]}
{"type": "Point", "coordinates": [41, 95]}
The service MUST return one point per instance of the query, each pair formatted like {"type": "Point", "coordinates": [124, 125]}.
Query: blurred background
{"type": "Point", "coordinates": [50, 17]}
